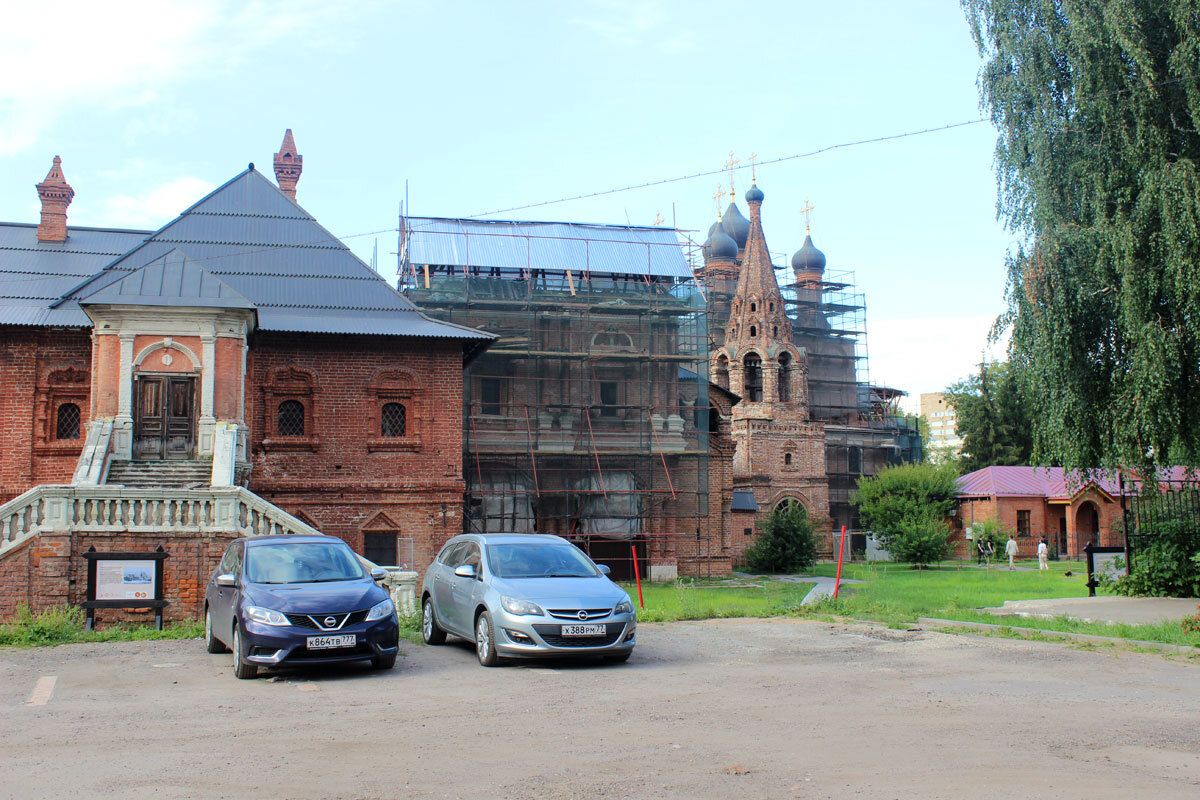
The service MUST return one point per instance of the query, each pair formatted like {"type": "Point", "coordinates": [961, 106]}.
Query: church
{"type": "Point", "coordinates": [236, 371]}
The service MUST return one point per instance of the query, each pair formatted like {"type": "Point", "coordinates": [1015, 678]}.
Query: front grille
{"type": "Point", "coordinates": [362, 649]}
{"type": "Point", "coordinates": [316, 621]}
{"type": "Point", "coordinates": [573, 613]}
{"type": "Point", "coordinates": [551, 635]}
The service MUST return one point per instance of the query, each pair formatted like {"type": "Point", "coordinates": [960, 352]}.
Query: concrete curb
{"type": "Point", "coordinates": [935, 624]}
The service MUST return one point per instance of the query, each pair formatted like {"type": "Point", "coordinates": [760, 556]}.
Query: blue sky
{"type": "Point", "coordinates": [483, 105]}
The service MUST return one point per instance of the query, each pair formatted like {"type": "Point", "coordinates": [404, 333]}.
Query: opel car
{"type": "Point", "coordinates": [525, 596]}
{"type": "Point", "coordinates": [296, 600]}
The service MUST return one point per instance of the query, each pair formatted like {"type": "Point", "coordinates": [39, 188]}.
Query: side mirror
{"type": "Point", "coordinates": [378, 574]}
{"type": "Point", "coordinates": [604, 569]}
{"type": "Point", "coordinates": [226, 580]}
{"type": "Point", "coordinates": [465, 571]}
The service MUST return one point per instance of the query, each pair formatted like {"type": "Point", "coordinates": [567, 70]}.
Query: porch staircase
{"type": "Point", "coordinates": [148, 474]}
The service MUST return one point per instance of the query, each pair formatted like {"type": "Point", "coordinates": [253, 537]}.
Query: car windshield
{"type": "Point", "coordinates": [301, 562]}
{"type": "Point", "coordinates": [539, 561]}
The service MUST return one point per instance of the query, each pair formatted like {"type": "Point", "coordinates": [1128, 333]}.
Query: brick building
{"type": "Point", "coordinates": [809, 424]}
{"type": "Point", "coordinates": [238, 370]}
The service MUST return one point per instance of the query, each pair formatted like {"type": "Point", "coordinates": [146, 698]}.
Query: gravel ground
{"type": "Point", "coordinates": [723, 708]}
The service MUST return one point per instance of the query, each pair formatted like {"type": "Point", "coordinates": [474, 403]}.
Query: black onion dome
{"type": "Point", "coordinates": [713, 227]}
{"type": "Point", "coordinates": [719, 245]}
{"type": "Point", "coordinates": [808, 258]}
{"type": "Point", "coordinates": [736, 226]}
{"type": "Point", "coordinates": [755, 194]}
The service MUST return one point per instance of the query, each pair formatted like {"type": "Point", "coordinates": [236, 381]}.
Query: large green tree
{"type": "Point", "coordinates": [1097, 104]}
{"type": "Point", "coordinates": [993, 418]}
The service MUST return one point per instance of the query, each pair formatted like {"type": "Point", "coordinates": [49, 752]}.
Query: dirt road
{"type": "Point", "coordinates": [718, 709]}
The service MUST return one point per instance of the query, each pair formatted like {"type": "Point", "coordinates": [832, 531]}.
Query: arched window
{"type": "Point", "coordinates": [775, 331]}
{"type": "Point", "coordinates": [771, 306]}
{"type": "Point", "coordinates": [290, 420]}
{"type": "Point", "coordinates": [392, 420]}
{"type": "Point", "coordinates": [753, 306]}
{"type": "Point", "coordinates": [753, 331]}
{"type": "Point", "coordinates": [785, 377]}
{"type": "Point", "coordinates": [752, 378]}
{"type": "Point", "coordinates": [787, 459]}
{"type": "Point", "coordinates": [66, 426]}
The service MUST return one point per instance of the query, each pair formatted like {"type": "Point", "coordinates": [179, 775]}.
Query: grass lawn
{"type": "Point", "coordinates": [66, 625]}
{"type": "Point", "coordinates": [896, 594]}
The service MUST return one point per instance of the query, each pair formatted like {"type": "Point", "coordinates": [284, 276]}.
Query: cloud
{"type": "Point", "coordinates": [59, 55]}
{"type": "Point", "coordinates": [928, 354]}
{"type": "Point", "coordinates": [155, 207]}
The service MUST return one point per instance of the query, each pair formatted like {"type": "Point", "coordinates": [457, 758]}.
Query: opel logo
{"type": "Point", "coordinates": [582, 614]}
{"type": "Point", "coordinates": [330, 621]}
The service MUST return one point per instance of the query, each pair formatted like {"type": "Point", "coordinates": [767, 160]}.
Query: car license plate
{"type": "Point", "coordinates": [327, 642]}
{"type": "Point", "coordinates": [584, 630]}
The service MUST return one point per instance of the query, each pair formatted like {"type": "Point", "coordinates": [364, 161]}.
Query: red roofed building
{"type": "Point", "coordinates": [1068, 509]}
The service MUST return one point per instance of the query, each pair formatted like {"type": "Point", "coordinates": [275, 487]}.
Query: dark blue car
{"type": "Point", "coordinates": [294, 600]}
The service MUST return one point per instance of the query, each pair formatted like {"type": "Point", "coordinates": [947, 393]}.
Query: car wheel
{"type": "Point", "coordinates": [211, 643]}
{"type": "Point", "coordinates": [619, 658]}
{"type": "Point", "coordinates": [485, 640]}
{"type": "Point", "coordinates": [241, 668]}
{"type": "Point", "coordinates": [430, 632]}
{"type": "Point", "coordinates": [383, 662]}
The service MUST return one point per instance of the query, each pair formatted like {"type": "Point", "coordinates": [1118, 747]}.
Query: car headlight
{"type": "Point", "coordinates": [522, 608]}
{"type": "Point", "coordinates": [624, 607]}
{"type": "Point", "coordinates": [381, 610]}
{"type": "Point", "coordinates": [266, 616]}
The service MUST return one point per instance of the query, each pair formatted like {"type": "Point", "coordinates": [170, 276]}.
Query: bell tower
{"type": "Point", "coordinates": [288, 165]}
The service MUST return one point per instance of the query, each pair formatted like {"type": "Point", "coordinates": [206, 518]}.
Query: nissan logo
{"type": "Point", "coordinates": [330, 621]}
{"type": "Point", "coordinates": [582, 614]}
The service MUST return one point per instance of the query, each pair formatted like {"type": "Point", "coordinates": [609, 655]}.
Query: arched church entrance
{"type": "Point", "coordinates": [1087, 525]}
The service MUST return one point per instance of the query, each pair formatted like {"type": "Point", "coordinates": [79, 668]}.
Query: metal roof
{"type": "Point", "coordinates": [1053, 483]}
{"type": "Point", "coordinates": [743, 500]}
{"type": "Point", "coordinates": [172, 280]}
{"type": "Point", "coordinates": [34, 274]}
{"type": "Point", "coordinates": [615, 249]}
{"type": "Point", "coordinates": [245, 243]}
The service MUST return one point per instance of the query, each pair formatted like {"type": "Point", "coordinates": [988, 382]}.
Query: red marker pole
{"type": "Point", "coordinates": [841, 550]}
{"type": "Point", "coordinates": [637, 575]}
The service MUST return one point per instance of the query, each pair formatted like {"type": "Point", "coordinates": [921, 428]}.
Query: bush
{"type": "Point", "coordinates": [1166, 561]}
{"type": "Point", "coordinates": [919, 541]}
{"type": "Point", "coordinates": [786, 542]}
{"type": "Point", "coordinates": [906, 492]}
{"type": "Point", "coordinates": [990, 530]}
{"type": "Point", "coordinates": [52, 626]}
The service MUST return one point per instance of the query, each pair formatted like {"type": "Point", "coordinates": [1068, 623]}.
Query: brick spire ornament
{"type": "Point", "coordinates": [55, 194]}
{"type": "Point", "coordinates": [288, 165]}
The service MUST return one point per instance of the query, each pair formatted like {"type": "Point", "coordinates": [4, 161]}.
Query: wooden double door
{"type": "Point", "coordinates": [164, 424]}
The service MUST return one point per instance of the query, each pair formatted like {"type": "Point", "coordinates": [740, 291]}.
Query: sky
{"type": "Point", "coordinates": [471, 107]}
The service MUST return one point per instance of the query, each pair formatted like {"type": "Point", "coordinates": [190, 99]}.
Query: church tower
{"type": "Point", "coordinates": [288, 165]}
{"type": "Point", "coordinates": [780, 451]}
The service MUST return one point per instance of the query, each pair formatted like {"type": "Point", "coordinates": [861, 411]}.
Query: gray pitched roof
{"type": "Point", "coordinates": [34, 274]}
{"type": "Point", "coordinates": [259, 244]}
{"type": "Point", "coordinates": [172, 280]}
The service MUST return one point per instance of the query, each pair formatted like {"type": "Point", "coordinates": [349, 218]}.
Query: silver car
{"type": "Point", "coordinates": [525, 596]}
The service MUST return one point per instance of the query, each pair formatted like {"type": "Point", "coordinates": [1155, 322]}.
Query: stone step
{"type": "Point", "coordinates": [180, 474]}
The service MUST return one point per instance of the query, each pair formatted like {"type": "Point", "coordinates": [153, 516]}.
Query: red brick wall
{"type": "Point", "coordinates": [339, 478]}
{"type": "Point", "coordinates": [29, 455]}
{"type": "Point", "coordinates": [51, 571]}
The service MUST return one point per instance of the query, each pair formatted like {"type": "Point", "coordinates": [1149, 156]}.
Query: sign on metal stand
{"type": "Point", "coordinates": [125, 580]}
{"type": "Point", "coordinates": [1099, 561]}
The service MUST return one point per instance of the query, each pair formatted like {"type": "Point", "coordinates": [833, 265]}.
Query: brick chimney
{"type": "Point", "coordinates": [56, 195]}
{"type": "Point", "coordinates": [288, 165]}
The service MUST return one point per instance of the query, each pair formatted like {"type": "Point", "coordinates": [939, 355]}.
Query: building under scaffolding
{"type": "Point", "coordinates": [590, 416]}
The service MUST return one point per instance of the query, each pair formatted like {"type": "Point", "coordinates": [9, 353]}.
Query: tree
{"type": "Point", "coordinates": [786, 542]}
{"type": "Point", "coordinates": [1097, 104]}
{"type": "Point", "coordinates": [904, 493]}
{"type": "Point", "coordinates": [919, 541]}
{"type": "Point", "coordinates": [993, 418]}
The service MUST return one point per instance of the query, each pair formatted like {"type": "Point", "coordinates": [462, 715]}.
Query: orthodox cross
{"type": "Point", "coordinates": [717, 199]}
{"type": "Point", "coordinates": [730, 165]}
{"type": "Point", "coordinates": [807, 212]}
{"type": "Point", "coordinates": [753, 176]}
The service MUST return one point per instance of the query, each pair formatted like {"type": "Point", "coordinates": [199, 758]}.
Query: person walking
{"type": "Point", "coordinates": [1010, 550]}
{"type": "Point", "coordinates": [1043, 554]}
{"type": "Point", "coordinates": [980, 550]}
{"type": "Point", "coordinates": [989, 552]}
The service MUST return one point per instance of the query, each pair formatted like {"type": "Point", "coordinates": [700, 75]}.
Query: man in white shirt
{"type": "Point", "coordinates": [1043, 554]}
{"type": "Point", "coordinates": [1010, 550]}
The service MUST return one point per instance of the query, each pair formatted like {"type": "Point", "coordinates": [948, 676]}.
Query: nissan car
{"type": "Point", "coordinates": [525, 596]}
{"type": "Point", "coordinates": [297, 600]}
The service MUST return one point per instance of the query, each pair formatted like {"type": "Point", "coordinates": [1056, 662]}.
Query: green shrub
{"type": "Point", "coordinates": [786, 542]}
{"type": "Point", "coordinates": [906, 492]}
{"type": "Point", "coordinates": [52, 626]}
{"type": "Point", "coordinates": [919, 541]}
{"type": "Point", "coordinates": [1166, 561]}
